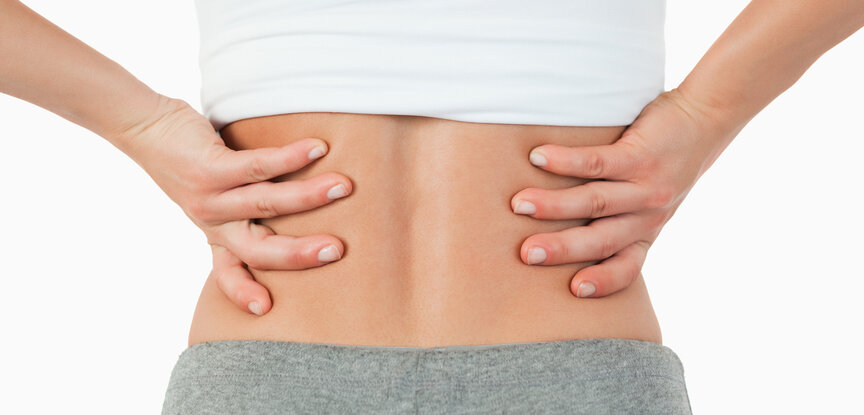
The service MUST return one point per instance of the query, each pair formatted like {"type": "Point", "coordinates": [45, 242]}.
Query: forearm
{"type": "Point", "coordinates": [764, 51]}
{"type": "Point", "coordinates": [46, 66]}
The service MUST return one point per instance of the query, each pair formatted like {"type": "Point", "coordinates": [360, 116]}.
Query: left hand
{"type": "Point", "coordinates": [645, 176]}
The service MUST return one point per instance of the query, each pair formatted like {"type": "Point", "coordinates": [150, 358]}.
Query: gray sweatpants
{"type": "Point", "coordinates": [585, 376]}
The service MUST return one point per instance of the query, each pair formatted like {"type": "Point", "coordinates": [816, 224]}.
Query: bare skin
{"type": "Point", "coordinates": [431, 244]}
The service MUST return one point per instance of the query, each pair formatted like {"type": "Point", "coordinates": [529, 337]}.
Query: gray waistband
{"type": "Point", "coordinates": [325, 364]}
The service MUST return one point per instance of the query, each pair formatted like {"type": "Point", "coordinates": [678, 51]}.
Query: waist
{"type": "Point", "coordinates": [431, 243]}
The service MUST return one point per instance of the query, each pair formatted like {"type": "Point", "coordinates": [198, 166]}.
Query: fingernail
{"type": "Point", "coordinates": [537, 159]}
{"type": "Point", "coordinates": [255, 307]}
{"type": "Point", "coordinates": [328, 254]}
{"type": "Point", "coordinates": [337, 191]}
{"type": "Point", "coordinates": [526, 207]}
{"type": "Point", "coordinates": [585, 289]}
{"type": "Point", "coordinates": [536, 255]}
{"type": "Point", "coordinates": [316, 152]}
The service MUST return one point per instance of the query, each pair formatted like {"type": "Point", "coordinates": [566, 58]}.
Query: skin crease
{"type": "Point", "coordinates": [431, 244]}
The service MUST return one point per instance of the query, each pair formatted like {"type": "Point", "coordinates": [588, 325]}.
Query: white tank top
{"type": "Point", "coordinates": [552, 62]}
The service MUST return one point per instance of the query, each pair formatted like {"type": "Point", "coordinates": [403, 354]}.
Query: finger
{"type": "Point", "coordinates": [268, 199]}
{"type": "Point", "coordinates": [598, 240]}
{"type": "Point", "coordinates": [612, 274]}
{"type": "Point", "coordinates": [261, 248]}
{"type": "Point", "coordinates": [233, 168]}
{"type": "Point", "coordinates": [594, 199]}
{"type": "Point", "coordinates": [235, 281]}
{"type": "Point", "coordinates": [615, 161]}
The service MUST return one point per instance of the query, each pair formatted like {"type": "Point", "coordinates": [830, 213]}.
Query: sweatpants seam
{"type": "Point", "coordinates": [619, 345]}
{"type": "Point", "coordinates": [318, 382]}
{"type": "Point", "coordinates": [414, 379]}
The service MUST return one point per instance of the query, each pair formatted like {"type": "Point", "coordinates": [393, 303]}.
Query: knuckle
{"type": "Point", "coordinates": [215, 248]}
{"type": "Point", "coordinates": [210, 215]}
{"type": "Point", "coordinates": [594, 164]}
{"type": "Point", "coordinates": [558, 249]}
{"type": "Point", "coordinates": [221, 280]}
{"type": "Point", "coordinates": [661, 197]}
{"type": "Point", "coordinates": [255, 170]}
{"type": "Point", "coordinates": [644, 244]}
{"type": "Point", "coordinates": [647, 161]}
{"type": "Point", "coordinates": [200, 210]}
{"type": "Point", "coordinates": [563, 251]}
{"type": "Point", "coordinates": [549, 206]}
{"type": "Point", "coordinates": [295, 257]}
{"type": "Point", "coordinates": [260, 233]}
{"type": "Point", "coordinates": [607, 247]}
{"type": "Point", "coordinates": [236, 291]}
{"type": "Point", "coordinates": [633, 275]}
{"type": "Point", "coordinates": [210, 237]}
{"type": "Point", "coordinates": [249, 254]}
{"type": "Point", "coordinates": [311, 195]}
{"type": "Point", "coordinates": [252, 261]}
{"type": "Point", "coordinates": [598, 206]}
{"type": "Point", "coordinates": [264, 207]}
{"type": "Point", "coordinates": [218, 271]}
{"type": "Point", "coordinates": [216, 238]}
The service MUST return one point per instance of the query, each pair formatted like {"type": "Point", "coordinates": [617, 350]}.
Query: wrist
{"type": "Point", "coordinates": [713, 125]}
{"type": "Point", "coordinates": [123, 134]}
{"type": "Point", "coordinates": [719, 112]}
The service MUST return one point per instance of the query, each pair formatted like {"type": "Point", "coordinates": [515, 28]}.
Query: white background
{"type": "Point", "coordinates": [757, 279]}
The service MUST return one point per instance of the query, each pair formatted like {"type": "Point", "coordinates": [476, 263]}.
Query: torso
{"type": "Point", "coordinates": [431, 244]}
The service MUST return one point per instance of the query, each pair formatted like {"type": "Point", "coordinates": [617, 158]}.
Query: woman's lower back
{"type": "Point", "coordinates": [431, 243]}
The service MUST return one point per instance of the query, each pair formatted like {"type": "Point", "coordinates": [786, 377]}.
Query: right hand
{"type": "Point", "coordinates": [638, 183]}
{"type": "Point", "coordinates": [221, 190]}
